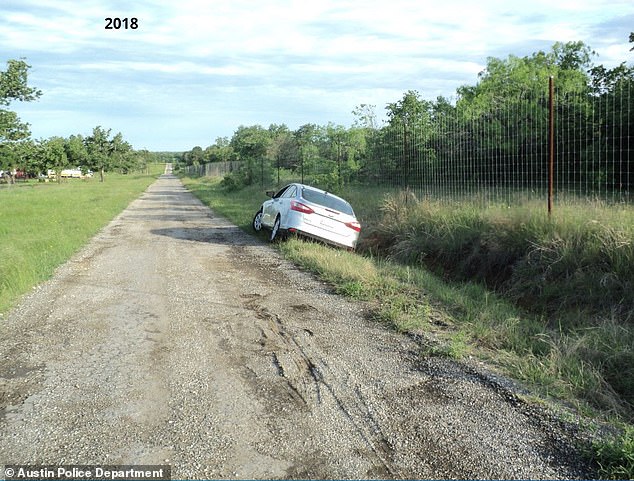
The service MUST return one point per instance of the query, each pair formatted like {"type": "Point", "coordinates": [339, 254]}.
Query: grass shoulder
{"type": "Point", "coordinates": [43, 224]}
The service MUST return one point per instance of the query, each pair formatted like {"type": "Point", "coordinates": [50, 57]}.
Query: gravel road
{"type": "Point", "coordinates": [174, 338]}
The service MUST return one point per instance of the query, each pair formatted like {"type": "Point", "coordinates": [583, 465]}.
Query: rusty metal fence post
{"type": "Point", "coordinates": [551, 142]}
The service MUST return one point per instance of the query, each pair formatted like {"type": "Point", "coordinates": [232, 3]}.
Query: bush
{"type": "Point", "coordinates": [232, 182]}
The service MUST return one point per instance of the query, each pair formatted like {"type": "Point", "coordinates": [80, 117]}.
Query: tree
{"type": "Point", "coordinates": [250, 145]}
{"type": "Point", "coordinates": [11, 128]}
{"type": "Point", "coordinates": [606, 80]}
{"type": "Point", "coordinates": [220, 151]}
{"type": "Point", "coordinates": [52, 153]}
{"type": "Point", "coordinates": [306, 137]}
{"type": "Point", "coordinates": [14, 86]}
{"type": "Point", "coordinates": [505, 115]}
{"type": "Point", "coordinates": [505, 80]}
{"type": "Point", "coordinates": [106, 154]}
{"type": "Point", "coordinates": [13, 83]}
{"type": "Point", "coordinates": [613, 126]}
{"type": "Point", "coordinates": [409, 120]}
{"type": "Point", "coordinates": [365, 116]}
{"type": "Point", "coordinates": [282, 148]}
{"type": "Point", "coordinates": [76, 151]}
{"type": "Point", "coordinates": [196, 156]}
{"type": "Point", "coordinates": [335, 147]}
{"type": "Point", "coordinates": [25, 152]}
{"type": "Point", "coordinates": [141, 158]}
{"type": "Point", "coordinates": [121, 154]}
{"type": "Point", "coordinates": [98, 149]}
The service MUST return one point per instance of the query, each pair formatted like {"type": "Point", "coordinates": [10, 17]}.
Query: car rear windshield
{"type": "Point", "coordinates": [327, 200]}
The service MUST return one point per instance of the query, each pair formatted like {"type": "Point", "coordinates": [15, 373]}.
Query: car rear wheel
{"type": "Point", "coordinates": [257, 221]}
{"type": "Point", "coordinates": [275, 232]}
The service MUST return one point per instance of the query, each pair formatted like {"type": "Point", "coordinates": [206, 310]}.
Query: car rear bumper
{"type": "Point", "coordinates": [298, 226]}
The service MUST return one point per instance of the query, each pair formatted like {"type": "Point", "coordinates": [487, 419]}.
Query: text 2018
{"type": "Point", "coordinates": [119, 23]}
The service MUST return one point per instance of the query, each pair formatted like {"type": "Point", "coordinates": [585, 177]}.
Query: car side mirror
{"type": "Point", "coordinates": [270, 193]}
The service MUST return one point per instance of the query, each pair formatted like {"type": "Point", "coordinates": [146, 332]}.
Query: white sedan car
{"type": "Point", "coordinates": [304, 210]}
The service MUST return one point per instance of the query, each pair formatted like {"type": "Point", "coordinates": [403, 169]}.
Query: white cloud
{"type": "Point", "coordinates": [171, 68]}
{"type": "Point", "coordinates": [243, 62]}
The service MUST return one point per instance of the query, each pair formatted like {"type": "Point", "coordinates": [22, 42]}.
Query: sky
{"type": "Point", "coordinates": [196, 70]}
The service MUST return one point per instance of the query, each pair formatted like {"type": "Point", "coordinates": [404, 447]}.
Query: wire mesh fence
{"type": "Point", "coordinates": [495, 153]}
{"type": "Point", "coordinates": [213, 169]}
{"type": "Point", "coordinates": [502, 154]}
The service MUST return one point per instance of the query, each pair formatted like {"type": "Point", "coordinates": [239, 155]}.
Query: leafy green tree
{"type": "Point", "coordinates": [307, 137]}
{"type": "Point", "coordinates": [24, 153]}
{"type": "Point", "coordinates": [76, 152]}
{"type": "Point", "coordinates": [13, 87]}
{"type": "Point", "coordinates": [282, 149]}
{"type": "Point", "coordinates": [341, 148]}
{"type": "Point", "coordinates": [220, 151]}
{"type": "Point", "coordinates": [369, 156]}
{"type": "Point", "coordinates": [507, 80]}
{"type": "Point", "coordinates": [8, 161]}
{"type": "Point", "coordinates": [11, 128]}
{"type": "Point", "coordinates": [409, 122]}
{"type": "Point", "coordinates": [122, 154]}
{"type": "Point", "coordinates": [141, 158]}
{"type": "Point", "coordinates": [505, 115]}
{"type": "Point", "coordinates": [22, 156]}
{"type": "Point", "coordinates": [607, 80]}
{"type": "Point", "coordinates": [106, 154]}
{"type": "Point", "coordinates": [196, 156]}
{"type": "Point", "coordinates": [52, 155]}
{"type": "Point", "coordinates": [98, 149]}
{"type": "Point", "coordinates": [612, 129]}
{"type": "Point", "coordinates": [250, 145]}
{"type": "Point", "coordinates": [449, 139]}
{"type": "Point", "coordinates": [335, 148]}
{"type": "Point", "coordinates": [365, 117]}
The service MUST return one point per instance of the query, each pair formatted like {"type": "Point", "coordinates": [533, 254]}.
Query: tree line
{"type": "Point", "coordinates": [100, 152]}
{"type": "Point", "coordinates": [494, 133]}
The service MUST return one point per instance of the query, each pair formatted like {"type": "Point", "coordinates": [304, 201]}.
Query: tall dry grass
{"type": "Point", "coordinates": [573, 272]}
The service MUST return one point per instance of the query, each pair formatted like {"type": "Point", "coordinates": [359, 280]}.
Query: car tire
{"type": "Point", "coordinates": [275, 231]}
{"type": "Point", "coordinates": [257, 221]}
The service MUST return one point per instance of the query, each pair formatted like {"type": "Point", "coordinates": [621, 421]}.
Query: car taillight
{"type": "Point", "coordinates": [354, 226]}
{"type": "Point", "coordinates": [299, 207]}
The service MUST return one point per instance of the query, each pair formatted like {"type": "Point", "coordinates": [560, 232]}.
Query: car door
{"type": "Point", "coordinates": [284, 204]}
{"type": "Point", "coordinates": [272, 207]}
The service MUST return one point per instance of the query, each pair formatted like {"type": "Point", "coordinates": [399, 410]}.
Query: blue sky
{"type": "Point", "coordinates": [196, 70]}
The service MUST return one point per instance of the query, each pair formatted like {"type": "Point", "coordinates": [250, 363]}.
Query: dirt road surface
{"type": "Point", "coordinates": [174, 338]}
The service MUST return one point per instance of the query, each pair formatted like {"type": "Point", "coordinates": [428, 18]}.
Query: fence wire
{"type": "Point", "coordinates": [495, 154]}
{"type": "Point", "coordinates": [502, 155]}
{"type": "Point", "coordinates": [213, 169]}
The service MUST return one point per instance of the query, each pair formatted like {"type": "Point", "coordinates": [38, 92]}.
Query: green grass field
{"type": "Point", "coordinates": [43, 224]}
{"type": "Point", "coordinates": [545, 301]}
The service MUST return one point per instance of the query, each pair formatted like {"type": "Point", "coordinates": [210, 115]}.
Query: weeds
{"type": "Point", "coordinates": [572, 276]}
{"type": "Point", "coordinates": [615, 456]}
